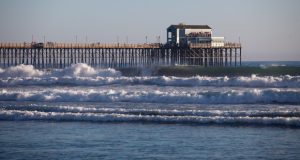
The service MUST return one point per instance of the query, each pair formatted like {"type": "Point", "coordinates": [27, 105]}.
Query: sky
{"type": "Point", "coordinates": [267, 29]}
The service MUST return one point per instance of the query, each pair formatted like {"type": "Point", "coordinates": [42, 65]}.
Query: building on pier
{"type": "Point", "coordinates": [184, 35]}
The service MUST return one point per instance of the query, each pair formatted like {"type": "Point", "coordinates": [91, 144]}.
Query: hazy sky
{"type": "Point", "coordinates": [268, 29]}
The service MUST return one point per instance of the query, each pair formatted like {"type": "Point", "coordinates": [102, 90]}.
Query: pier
{"type": "Point", "coordinates": [190, 45]}
{"type": "Point", "coordinates": [60, 55]}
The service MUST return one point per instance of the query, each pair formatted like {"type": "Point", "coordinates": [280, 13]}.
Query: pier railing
{"type": "Point", "coordinates": [207, 45]}
{"type": "Point", "coordinates": [110, 45]}
{"type": "Point", "coordinates": [79, 45]}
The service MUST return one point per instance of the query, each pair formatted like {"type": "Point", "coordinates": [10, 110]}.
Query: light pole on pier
{"type": "Point", "coordinates": [146, 39]}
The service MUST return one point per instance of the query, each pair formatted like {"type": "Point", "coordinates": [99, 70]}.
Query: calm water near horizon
{"type": "Point", "coordinates": [85, 113]}
{"type": "Point", "coordinates": [271, 63]}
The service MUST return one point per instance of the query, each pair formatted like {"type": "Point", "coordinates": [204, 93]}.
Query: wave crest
{"type": "Point", "coordinates": [207, 118]}
{"type": "Point", "coordinates": [75, 70]}
{"type": "Point", "coordinates": [21, 71]}
{"type": "Point", "coordinates": [251, 96]}
{"type": "Point", "coordinates": [83, 75]}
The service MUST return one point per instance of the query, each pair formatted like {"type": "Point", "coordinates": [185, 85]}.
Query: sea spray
{"type": "Point", "coordinates": [83, 93]}
{"type": "Point", "coordinates": [84, 70]}
{"type": "Point", "coordinates": [75, 70]}
{"type": "Point", "coordinates": [21, 115]}
{"type": "Point", "coordinates": [111, 76]}
{"type": "Point", "coordinates": [21, 71]}
{"type": "Point", "coordinates": [251, 96]}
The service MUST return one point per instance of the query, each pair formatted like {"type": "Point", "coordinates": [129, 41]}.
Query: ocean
{"type": "Point", "coordinates": [82, 112]}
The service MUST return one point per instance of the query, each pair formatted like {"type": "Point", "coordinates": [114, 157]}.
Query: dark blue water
{"type": "Point", "coordinates": [85, 113]}
{"type": "Point", "coordinates": [77, 140]}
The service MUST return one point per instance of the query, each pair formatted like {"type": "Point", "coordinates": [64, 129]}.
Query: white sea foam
{"type": "Point", "coordinates": [250, 96]}
{"type": "Point", "coordinates": [115, 117]}
{"type": "Point", "coordinates": [262, 112]}
{"type": "Point", "coordinates": [254, 81]}
{"type": "Point", "coordinates": [84, 75]}
{"type": "Point", "coordinates": [75, 70]}
{"type": "Point", "coordinates": [266, 91]}
{"type": "Point", "coordinates": [83, 70]}
{"type": "Point", "coordinates": [20, 71]}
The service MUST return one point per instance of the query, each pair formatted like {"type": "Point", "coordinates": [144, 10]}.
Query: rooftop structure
{"type": "Point", "coordinates": [183, 35]}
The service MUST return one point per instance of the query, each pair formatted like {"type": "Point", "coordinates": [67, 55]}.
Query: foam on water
{"type": "Point", "coordinates": [250, 96]}
{"type": "Point", "coordinates": [83, 70]}
{"type": "Point", "coordinates": [75, 70]}
{"type": "Point", "coordinates": [22, 84]}
{"type": "Point", "coordinates": [211, 117]}
{"type": "Point", "coordinates": [21, 71]}
{"type": "Point", "coordinates": [211, 112]}
{"type": "Point", "coordinates": [84, 75]}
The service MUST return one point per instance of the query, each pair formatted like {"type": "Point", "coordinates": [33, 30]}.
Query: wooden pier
{"type": "Point", "coordinates": [60, 55]}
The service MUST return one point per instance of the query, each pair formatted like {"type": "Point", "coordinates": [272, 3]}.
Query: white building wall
{"type": "Point", "coordinates": [187, 31]}
{"type": "Point", "coordinates": [181, 35]}
{"type": "Point", "coordinates": [217, 41]}
{"type": "Point", "coordinates": [177, 36]}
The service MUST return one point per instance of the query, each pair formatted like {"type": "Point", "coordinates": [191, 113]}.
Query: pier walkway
{"type": "Point", "coordinates": [60, 55]}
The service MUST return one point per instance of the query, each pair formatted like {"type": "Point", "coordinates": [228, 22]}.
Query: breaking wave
{"type": "Point", "coordinates": [93, 114]}
{"type": "Point", "coordinates": [84, 75]}
{"type": "Point", "coordinates": [75, 70]}
{"type": "Point", "coordinates": [151, 102]}
{"type": "Point", "coordinates": [20, 71]}
{"type": "Point", "coordinates": [250, 96]}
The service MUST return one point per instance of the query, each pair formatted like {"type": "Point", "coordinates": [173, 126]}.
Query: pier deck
{"type": "Point", "coordinates": [60, 55]}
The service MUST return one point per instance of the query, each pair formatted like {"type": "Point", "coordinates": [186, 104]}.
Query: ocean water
{"type": "Point", "coordinates": [85, 113]}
